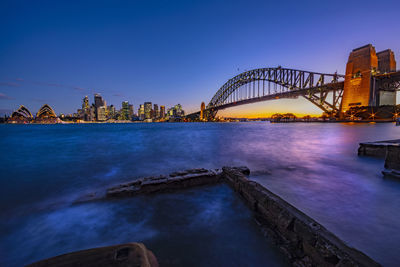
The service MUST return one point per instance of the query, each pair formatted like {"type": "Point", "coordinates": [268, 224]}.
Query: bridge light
{"type": "Point", "coordinates": [373, 116]}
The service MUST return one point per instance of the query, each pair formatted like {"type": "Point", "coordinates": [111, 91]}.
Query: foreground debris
{"type": "Point", "coordinates": [131, 254]}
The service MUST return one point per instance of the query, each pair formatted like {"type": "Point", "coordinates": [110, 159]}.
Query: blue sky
{"type": "Point", "coordinates": [170, 52]}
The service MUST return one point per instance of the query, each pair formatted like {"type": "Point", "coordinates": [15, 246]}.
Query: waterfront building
{"type": "Point", "coordinates": [156, 113]}
{"type": "Point", "coordinates": [141, 112]}
{"type": "Point", "coordinates": [85, 103]}
{"type": "Point", "coordinates": [162, 112]}
{"type": "Point", "coordinates": [45, 112]}
{"type": "Point", "coordinates": [101, 113]}
{"type": "Point", "coordinates": [99, 102]}
{"type": "Point", "coordinates": [46, 115]}
{"type": "Point", "coordinates": [147, 110]}
{"type": "Point", "coordinates": [125, 111]}
{"type": "Point", "coordinates": [85, 112]}
{"type": "Point", "coordinates": [111, 112]}
{"type": "Point", "coordinates": [176, 111]}
{"type": "Point", "coordinates": [21, 115]}
{"type": "Point", "coordinates": [131, 112]}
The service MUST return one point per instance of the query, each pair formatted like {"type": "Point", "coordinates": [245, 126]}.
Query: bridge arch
{"type": "Point", "coordinates": [273, 83]}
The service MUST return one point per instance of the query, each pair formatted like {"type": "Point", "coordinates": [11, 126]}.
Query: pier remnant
{"type": "Point", "coordinates": [389, 150]}
{"type": "Point", "coordinates": [304, 241]}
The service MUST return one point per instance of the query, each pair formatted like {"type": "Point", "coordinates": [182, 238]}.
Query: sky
{"type": "Point", "coordinates": [170, 52]}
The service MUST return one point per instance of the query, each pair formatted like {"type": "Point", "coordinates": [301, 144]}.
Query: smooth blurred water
{"type": "Point", "coordinates": [314, 166]}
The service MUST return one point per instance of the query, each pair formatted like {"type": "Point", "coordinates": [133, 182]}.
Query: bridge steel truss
{"type": "Point", "coordinates": [274, 83]}
{"type": "Point", "coordinates": [388, 81]}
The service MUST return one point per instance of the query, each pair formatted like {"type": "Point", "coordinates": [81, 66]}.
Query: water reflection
{"type": "Point", "coordinates": [313, 166]}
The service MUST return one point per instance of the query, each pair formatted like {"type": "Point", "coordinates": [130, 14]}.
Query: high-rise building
{"type": "Point", "coordinates": [85, 113]}
{"type": "Point", "coordinates": [162, 112]}
{"type": "Point", "coordinates": [179, 112]}
{"type": "Point", "coordinates": [131, 112]}
{"type": "Point", "coordinates": [85, 103]}
{"type": "Point", "coordinates": [101, 113]}
{"type": "Point", "coordinates": [141, 112]}
{"type": "Point", "coordinates": [125, 111]}
{"type": "Point", "coordinates": [99, 102]}
{"type": "Point", "coordinates": [147, 110]}
{"type": "Point", "coordinates": [156, 113]}
{"type": "Point", "coordinates": [176, 111]}
{"type": "Point", "coordinates": [111, 112]}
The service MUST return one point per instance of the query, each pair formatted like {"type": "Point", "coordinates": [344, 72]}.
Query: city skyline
{"type": "Point", "coordinates": [169, 53]}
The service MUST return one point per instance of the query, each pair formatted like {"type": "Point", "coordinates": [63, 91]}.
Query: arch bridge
{"type": "Point", "coordinates": [274, 83]}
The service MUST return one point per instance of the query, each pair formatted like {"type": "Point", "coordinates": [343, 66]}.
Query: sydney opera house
{"type": "Point", "coordinates": [45, 115]}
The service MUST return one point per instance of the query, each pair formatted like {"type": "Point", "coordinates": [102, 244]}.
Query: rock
{"type": "Point", "coordinates": [181, 173]}
{"type": "Point", "coordinates": [174, 181]}
{"type": "Point", "coordinates": [391, 173]}
{"type": "Point", "coordinates": [392, 160]}
{"type": "Point", "coordinates": [242, 169]}
{"type": "Point", "coordinates": [131, 254]}
{"type": "Point", "coordinates": [304, 241]}
{"type": "Point", "coordinates": [200, 170]}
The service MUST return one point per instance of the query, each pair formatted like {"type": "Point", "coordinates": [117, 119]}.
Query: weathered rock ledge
{"type": "Point", "coordinates": [302, 239]}
{"type": "Point", "coordinates": [376, 149]}
{"type": "Point", "coordinates": [176, 180]}
{"type": "Point", "coordinates": [132, 254]}
{"type": "Point", "coordinates": [389, 150]}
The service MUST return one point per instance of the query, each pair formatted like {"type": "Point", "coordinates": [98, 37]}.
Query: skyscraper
{"type": "Point", "coordinates": [111, 112]}
{"type": "Point", "coordinates": [125, 111]}
{"type": "Point", "coordinates": [147, 110]}
{"type": "Point", "coordinates": [99, 102]}
{"type": "Point", "coordinates": [141, 112]}
{"type": "Point", "coordinates": [102, 113]}
{"type": "Point", "coordinates": [131, 112]}
{"type": "Point", "coordinates": [85, 113]}
{"type": "Point", "coordinates": [156, 113]}
{"type": "Point", "coordinates": [85, 103]}
{"type": "Point", "coordinates": [162, 112]}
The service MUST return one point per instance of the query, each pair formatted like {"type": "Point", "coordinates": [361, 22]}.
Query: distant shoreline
{"type": "Point", "coordinates": [272, 122]}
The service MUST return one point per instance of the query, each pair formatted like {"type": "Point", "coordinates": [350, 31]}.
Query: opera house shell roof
{"type": "Point", "coordinates": [45, 115]}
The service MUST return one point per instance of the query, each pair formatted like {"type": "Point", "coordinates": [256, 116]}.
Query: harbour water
{"type": "Point", "coordinates": [314, 166]}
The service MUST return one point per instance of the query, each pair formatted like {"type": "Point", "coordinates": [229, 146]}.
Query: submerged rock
{"type": "Point", "coordinates": [131, 254]}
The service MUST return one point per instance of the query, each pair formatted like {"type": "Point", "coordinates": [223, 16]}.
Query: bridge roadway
{"type": "Point", "coordinates": [250, 87]}
{"type": "Point", "coordinates": [288, 94]}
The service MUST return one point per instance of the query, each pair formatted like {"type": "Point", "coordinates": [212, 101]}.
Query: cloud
{"type": "Point", "coordinates": [118, 94]}
{"type": "Point", "coordinates": [5, 97]}
{"type": "Point", "coordinates": [49, 84]}
{"type": "Point", "coordinates": [40, 83]}
{"type": "Point", "coordinates": [39, 100]}
{"type": "Point", "coordinates": [10, 84]}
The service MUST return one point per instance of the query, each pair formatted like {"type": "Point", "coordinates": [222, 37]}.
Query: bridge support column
{"type": "Point", "coordinates": [358, 88]}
